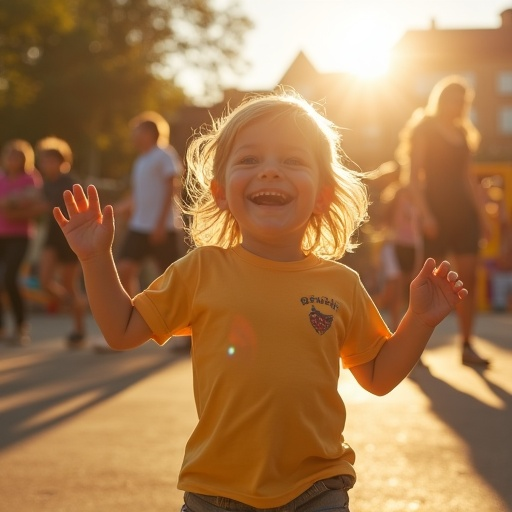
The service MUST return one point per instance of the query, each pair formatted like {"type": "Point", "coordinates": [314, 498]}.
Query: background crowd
{"type": "Point", "coordinates": [431, 206]}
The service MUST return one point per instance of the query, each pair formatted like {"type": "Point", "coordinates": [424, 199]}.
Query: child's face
{"type": "Point", "coordinates": [49, 165]}
{"type": "Point", "coordinates": [14, 162]}
{"type": "Point", "coordinates": [272, 187]}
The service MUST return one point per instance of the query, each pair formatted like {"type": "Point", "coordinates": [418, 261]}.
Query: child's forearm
{"type": "Point", "coordinates": [400, 353]}
{"type": "Point", "coordinates": [111, 306]}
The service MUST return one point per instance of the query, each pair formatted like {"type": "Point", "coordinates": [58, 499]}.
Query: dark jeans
{"type": "Point", "coordinates": [330, 494]}
{"type": "Point", "coordinates": [12, 253]}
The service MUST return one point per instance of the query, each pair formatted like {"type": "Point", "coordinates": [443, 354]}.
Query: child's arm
{"type": "Point", "coordinates": [90, 233]}
{"type": "Point", "coordinates": [434, 293]}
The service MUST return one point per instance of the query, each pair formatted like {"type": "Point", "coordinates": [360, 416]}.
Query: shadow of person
{"type": "Point", "coordinates": [41, 389]}
{"type": "Point", "coordinates": [484, 428]}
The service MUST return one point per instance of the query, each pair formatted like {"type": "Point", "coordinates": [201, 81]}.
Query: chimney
{"type": "Point", "coordinates": [506, 19]}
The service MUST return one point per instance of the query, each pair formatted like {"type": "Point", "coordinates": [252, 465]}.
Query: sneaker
{"type": "Point", "coordinates": [471, 358]}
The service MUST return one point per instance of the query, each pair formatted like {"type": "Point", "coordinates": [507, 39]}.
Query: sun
{"type": "Point", "coordinates": [365, 49]}
{"type": "Point", "coordinates": [368, 60]}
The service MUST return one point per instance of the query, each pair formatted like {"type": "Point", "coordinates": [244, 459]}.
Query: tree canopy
{"type": "Point", "coordinates": [80, 69]}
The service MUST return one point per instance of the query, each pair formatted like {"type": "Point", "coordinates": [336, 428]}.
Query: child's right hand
{"type": "Point", "coordinates": [89, 231]}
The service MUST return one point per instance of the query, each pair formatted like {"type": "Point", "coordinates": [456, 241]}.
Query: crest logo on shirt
{"type": "Point", "coordinates": [320, 321]}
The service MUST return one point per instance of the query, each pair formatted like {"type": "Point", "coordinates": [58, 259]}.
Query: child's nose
{"type": "Point", "coordinates": [270, 170]}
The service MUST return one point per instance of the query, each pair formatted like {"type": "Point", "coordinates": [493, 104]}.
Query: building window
{"type": "Point", "coordinates": [504, 84]}
{"type": "Point", "coordinates": [505, 120]}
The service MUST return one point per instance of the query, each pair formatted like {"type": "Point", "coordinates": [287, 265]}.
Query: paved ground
{"type": "Point", "coordinates": [83, 432]}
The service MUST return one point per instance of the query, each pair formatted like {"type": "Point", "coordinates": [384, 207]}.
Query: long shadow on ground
{"type": "Point", "coordinates": [486, 430]}
{"type": "Point", "coordinates": [41, 388]}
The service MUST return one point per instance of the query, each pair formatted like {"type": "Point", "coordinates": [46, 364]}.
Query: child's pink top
{"type": "Point", "coordinates": [405, 220]}
{"type": "Point", "coordinates": [16, 187]}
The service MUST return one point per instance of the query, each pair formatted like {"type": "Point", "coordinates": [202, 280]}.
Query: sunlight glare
{"type": "Point", "coordinates": [367, 48]}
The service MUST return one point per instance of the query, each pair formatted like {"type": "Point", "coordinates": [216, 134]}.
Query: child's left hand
{"type": "Point", "coordinates": [435, 292]}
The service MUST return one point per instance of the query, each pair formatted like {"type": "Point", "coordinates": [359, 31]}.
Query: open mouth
{"type": "Point", "coordinates": [270, 198]}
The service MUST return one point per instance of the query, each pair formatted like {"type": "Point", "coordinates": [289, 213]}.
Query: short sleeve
{"type": "Point", "coordinates": [171, 165]}
{"type": "Point", "coordinates": [367, 331]}
{"type": "Point", "coordinates": [166, 313]}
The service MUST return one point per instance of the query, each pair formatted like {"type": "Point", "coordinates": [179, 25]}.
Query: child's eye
{"type": "Point", "coordinates": [248, 160]}
{"type": "Point", "coordinates": [293, 160]}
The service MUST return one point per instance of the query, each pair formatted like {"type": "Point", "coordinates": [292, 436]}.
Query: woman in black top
{"type": "Point", "coordinates": [437, 144]}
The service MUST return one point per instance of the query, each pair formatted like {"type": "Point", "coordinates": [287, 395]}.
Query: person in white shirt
{"type": "Point", "coordinates": [154, 225]}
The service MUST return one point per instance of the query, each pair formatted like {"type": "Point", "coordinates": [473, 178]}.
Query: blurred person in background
{"type": "Point", "coordinates": [59, 269]}
{"type": "Point", "coordinates": [401, 251]}
{"type": "Point", "coordinates": [437, 144]}
{"type": "Point", "coordinates": [19, 194]}
{"type": "Point", "coordinates": [154, 224]}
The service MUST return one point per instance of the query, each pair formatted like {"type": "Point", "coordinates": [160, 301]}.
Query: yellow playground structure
{"type": "Point", "coordinates": [496, 181]}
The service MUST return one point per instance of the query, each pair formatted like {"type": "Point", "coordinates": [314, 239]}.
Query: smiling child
{"type": "Point", "coordinates": [271, 314]}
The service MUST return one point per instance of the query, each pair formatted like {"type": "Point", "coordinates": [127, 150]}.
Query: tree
{"type": "Point", "coordinates": [80, 69]}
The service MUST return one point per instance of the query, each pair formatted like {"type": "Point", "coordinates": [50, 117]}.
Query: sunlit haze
{"type": "Point", "coordinates": [345, 35]}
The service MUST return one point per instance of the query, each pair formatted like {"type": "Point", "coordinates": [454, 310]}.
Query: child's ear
{"type": "Point", "coordinates": [219, 195]}
{"type": "Point", "coordinates": [324, 199]}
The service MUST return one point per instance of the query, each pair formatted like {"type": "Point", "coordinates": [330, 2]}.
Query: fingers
{"type": "Point", "coordinates": [108, 215]}
{"type": "Point", "coordinates": [93, 198]}
{"type": "Point", "coordinates": [463, 293]}
{"type": "Point", "coordinates": [452, 276]}
{"type": "Point", "coordinates": [81, 200]}
{"type": "Point", "coordinates": [77, 201]}
{"type": "Point", "coordinates": [428, 267]}
{"type": "Point", "coordinates": [442, 269]}
{"type": "Point", "coordinates": [69, 201]}
{"type": "Point", "coordinates": [458, 288]}
{"type": "Point", "coordinates": [59, 217]}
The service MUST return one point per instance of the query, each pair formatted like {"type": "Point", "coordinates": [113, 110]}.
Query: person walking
{"type": "Point", "coordinates": [19, 194]}
{"type": "Point", "coordinates": [437, 145]}
{"type": "Point", "coordinates": [153, 227]}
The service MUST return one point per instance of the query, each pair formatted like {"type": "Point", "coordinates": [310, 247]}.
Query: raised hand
{"type": "Point", "coordinates": [435, 292]}
{"type": "Point", "coordinates": [89, 230]}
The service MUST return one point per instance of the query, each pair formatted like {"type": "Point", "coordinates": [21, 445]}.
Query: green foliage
{"type": "Point", "coordinates": [80, 69]}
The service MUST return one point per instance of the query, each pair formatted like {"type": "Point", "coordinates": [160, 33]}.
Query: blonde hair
{"type": "Point", "coordinates": [328, 235]}
{"type": "Point", "coordinates": [22, 147]}
{"type": "Point", "coordinates": [442, 93]}
{"type": "Point", "coordinates": [57, 147]}
{"type": "Point", "coordinates": [157, 122]}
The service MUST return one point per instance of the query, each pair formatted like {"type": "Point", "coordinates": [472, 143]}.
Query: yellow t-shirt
{"type": "Point", "coordinates": [266, 347]}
